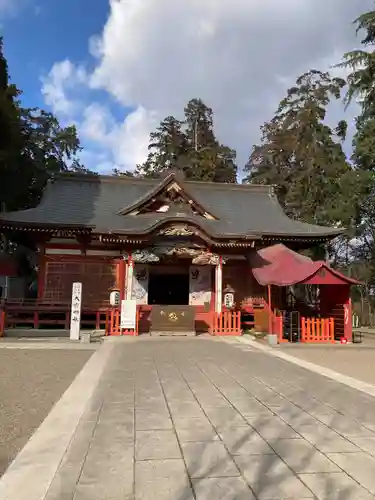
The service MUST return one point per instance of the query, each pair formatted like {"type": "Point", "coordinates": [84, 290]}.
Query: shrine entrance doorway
{"type": "Point", "coordinates": [168, 289]}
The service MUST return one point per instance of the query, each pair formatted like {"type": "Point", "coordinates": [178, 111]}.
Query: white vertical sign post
{"type": "Point", "coordinates": [75, 314]}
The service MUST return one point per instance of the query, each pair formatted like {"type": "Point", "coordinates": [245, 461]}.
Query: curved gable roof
{"type": "Point", "coordinates": [95, 202]}
{"type": "Point", "coordinates": [173, 182]}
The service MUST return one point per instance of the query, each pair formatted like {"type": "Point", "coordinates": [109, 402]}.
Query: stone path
{"type": "Point", "coordinates": [204, 419]}
{"type": "Point", "coordinates": [353, 360]}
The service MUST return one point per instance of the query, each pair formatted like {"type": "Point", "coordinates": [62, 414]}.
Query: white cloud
{"type": "Point", "coordinates": [60, 86]}
{"type": "Point", "coordinates": [10, 8]}
{"type": "Point", "coordinates": [127, 139]}
{"type": "Point", "coordinates": [132, 138]}
{"type": "Point", "coordinates": [5, 5]}
{"type": "Point", "coordinates": [237, 55]}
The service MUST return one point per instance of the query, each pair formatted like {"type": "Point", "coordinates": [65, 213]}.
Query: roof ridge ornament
{"type": "Point", "coordinates": [178, 174]}
{"type": "Point", "coordinates": [173, 195]}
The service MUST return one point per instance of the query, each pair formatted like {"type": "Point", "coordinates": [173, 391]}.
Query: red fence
{"type": "Point", "coordinates": [318, 330]}
{"type": "Point", "coordinates": [277, 327]}
{"type": "Point", "coordinates": [34, 313]}
{"type": "Point", "coordinates": [226, 323]}
{"type": "Point", "coordinates": [2, 323]}
{"type": "Point", "coordinates": [113, 327]}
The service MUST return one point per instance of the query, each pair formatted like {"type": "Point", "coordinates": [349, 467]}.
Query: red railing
{"type": "Point", "coordinates": [266, 318]}
{"type": "Point", "coordinates": [318, 330]}
{"type": "Point", "coordinates": [226, 323]}
{"type": "Point", "coordinates": [35, 313]}
{"type": "Point", "coordinates": [113, 323]}
{"type": "Point", "coordinates": [2, 323]}
{"type": "Point", "coordinates": [277, 327]}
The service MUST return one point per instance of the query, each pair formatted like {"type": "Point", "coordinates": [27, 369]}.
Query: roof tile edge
{"type": "Point", "coordinates": [269, 189]}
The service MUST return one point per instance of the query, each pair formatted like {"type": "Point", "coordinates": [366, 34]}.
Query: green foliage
{"type": "Point", "coordinates": [361, 88]}
{"type": "Point", "coordinates": [168, 145]}
{"type": "Point", "coordinates": [191, 146]}
{"type": "Point", "coordinates": [120, 173]}
{"type": "Point", "coordinates": [303, 157]}
{"type": "Point", "coordinates": [33, 146]}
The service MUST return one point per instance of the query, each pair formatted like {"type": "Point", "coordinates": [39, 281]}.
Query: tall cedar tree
{"type": "Point", "coordinates": [167, 147]}
{"type": "Point", "coordinates": [361, 87]}
{"type": "Point", "coordinates": [11, 134]}
{"type": "Point", "coordinates": [303, 157]}
{"type": "Point", "coordinates": [33, 146]}
{"type": "Point", "coordinates": [191, 146]}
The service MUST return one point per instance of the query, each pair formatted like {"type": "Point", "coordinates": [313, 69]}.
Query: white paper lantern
{"type": "Point", "coordinates": [114, 298]}
{"type": "Point", "coordinates": [229, 300]}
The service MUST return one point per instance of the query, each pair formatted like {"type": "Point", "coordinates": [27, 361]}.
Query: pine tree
{"type": "Point", "coordinates": [191, 146]}
{"type": "Point", "coordinates": [362, 66]}
{"type": "Point", "coordinates": [167, 147]}
{"type": "Point", "coordinates": [119, 173]}
{"type": "Point", "coordinates": [361, 88]}
{"type": "Point", "coordinates": [208, 160]}
{"type": "Point", "coordinates": [10, 125]}
{"type": "Point", "coordinates": [303, 156]}
{"type": "Point", "coordinates": [33, 146]}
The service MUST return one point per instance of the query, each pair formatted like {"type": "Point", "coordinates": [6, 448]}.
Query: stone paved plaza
{"type": "Point", "coordinates": [210, 419]}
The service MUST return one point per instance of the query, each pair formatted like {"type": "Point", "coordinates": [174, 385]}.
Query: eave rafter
{"type": "Point", "coordinates": [166, 228]}
{"type": "Point", "coordinates": [48, 232]}
{"type": "Point", "coordinates": [121, 240]}
{"type": "Point", "coordinates": [298, 239]}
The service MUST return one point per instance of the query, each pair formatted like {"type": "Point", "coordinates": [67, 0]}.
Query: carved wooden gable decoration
{"type": "Point", "coordinates": [170, 197]}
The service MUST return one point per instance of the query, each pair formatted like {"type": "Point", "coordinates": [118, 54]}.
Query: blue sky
{"type": "Point", "coordinates": [153, 56]}
{"type": "Point", "coordinates": [41, 32]}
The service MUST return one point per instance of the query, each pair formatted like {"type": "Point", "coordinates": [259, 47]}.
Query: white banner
{"type": "Point", "coordinates": [200, 285]}
{"type": "Point", "coordinates": [128, 314]}
{"type": "Point", "coordinates": [129, 280]}
{"type": "Point", "coordinates": [140, 284]}
{"type": "Point", "coordinates": [75, 314]}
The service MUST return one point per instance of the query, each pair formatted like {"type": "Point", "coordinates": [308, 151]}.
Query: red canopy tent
{"type": "Point", "coordinates": [280, 266]}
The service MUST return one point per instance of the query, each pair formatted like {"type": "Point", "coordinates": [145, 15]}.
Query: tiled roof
{"type": "Point", "coordinates": [95, 202]}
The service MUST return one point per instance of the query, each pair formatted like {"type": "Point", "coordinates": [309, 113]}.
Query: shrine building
{"type": "Point", "coordinates": [168, 243]}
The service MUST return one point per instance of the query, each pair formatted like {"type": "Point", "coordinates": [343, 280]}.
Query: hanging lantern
{"type": "Point", "coordinates": [228, 297]}
{"type": "Point", "coordinates": [114, 298]}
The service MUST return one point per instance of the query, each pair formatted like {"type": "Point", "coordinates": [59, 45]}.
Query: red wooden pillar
{"type": "Point", "coordinates": [219, 287]}
{"type": "Point", "coordinates": [348, 324]}
{"type": "Point", "coordinates": [2, 322]}
{"type": "Point", "coordinates": [42, 271]}
{"type": "Point", "coordinates": [213, 289]}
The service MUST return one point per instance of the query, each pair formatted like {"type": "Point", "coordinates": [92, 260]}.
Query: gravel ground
{"type": "Point", "coordinates": [356, 362]}
{"type": "Point", "coordinates": [31, 381]}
